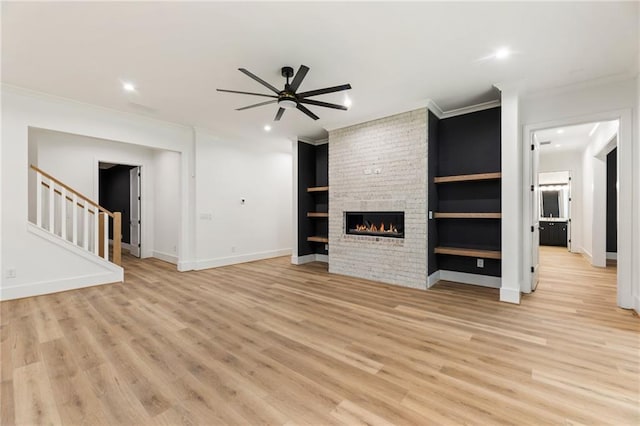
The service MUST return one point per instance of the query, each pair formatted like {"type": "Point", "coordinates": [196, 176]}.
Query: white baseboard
{"type": "Point", "coordinates": [308, 258]}
{"type": "Point", "coordinates": [55, 286]}
{"type": "Point", "coordinates": [186, 265]}
{"type": "Point", "coordinates": [611, 255]}
{"type": "Point", "coordinates": [466, 278]}
{"type": "Point", "coordinates": [166, 257]}
{"type": "Point", "coordinates": [232, 260]}
{"type": "Point", "coordinates": [433, 278]}
{"type": "Point", "coordinates": [636, 304]}
{"type": "Point", "coordinates": [510, 295]}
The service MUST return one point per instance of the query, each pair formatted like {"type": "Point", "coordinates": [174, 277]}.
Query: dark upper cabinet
{"type": "Point", "coordinates": [553, 234]}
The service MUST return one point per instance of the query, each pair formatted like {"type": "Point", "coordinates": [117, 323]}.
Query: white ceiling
{"type": "Point", "coordinates": [395, 55]}
{"type": "Point", "coordinates": [570, 138]}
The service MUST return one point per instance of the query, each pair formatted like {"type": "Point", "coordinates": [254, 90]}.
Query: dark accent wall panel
{"type": "Point", "coordinates": [469, 143]}
{"type": "Point", "coordinates": [313, 170]}
{"type": "Point", "coordinates": [306, 178]}
{"type": "Point", "coordinates": [114, 192]}
{"type": "Point", "coordinates": [432, 192]}
{"type": "Point", "coordinates": [612, 202]}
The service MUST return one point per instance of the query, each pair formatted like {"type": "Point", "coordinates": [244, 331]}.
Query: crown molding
{"type": "Point", "coordinates": [314, 143]}
{"type": "Point", "coordinates": [440, 113]}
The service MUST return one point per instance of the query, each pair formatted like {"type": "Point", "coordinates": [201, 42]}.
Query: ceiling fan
{"type": "Point", "coordinates": [288, 98]}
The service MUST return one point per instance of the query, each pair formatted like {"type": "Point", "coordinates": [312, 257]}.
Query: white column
{"type": "Point", "coordinates": [512, 210]}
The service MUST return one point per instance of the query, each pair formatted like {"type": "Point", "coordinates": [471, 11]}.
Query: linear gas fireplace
{"type": "Point", "coordinates": [379, 224]}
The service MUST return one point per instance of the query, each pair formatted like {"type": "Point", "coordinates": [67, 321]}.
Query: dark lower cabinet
{"type": "Point", "coordinates": [553, 234]}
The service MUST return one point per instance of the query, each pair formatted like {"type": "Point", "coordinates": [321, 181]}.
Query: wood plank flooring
{"type": "Point", "coordinates": [271, 343]}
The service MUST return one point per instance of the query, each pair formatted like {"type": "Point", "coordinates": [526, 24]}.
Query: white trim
{"type": "Point", "coordinates": [433, 278]}
{"type": "Point", "coordinates": [637, 304]}
{"type": "Point", "coordinates": [55, 286]}
{"type": "Point", "coordinates": [166, 257]}
{"type": "Point", "coordinates": [510, 295]}
{"type": "Point", "coordinates": [471, 108]}
{"type": "Point", "coordinates": [434, 108]}
{"type": "Point", "coordinates": [186, 265]}
{"type": "Point", "coordinates": [440, 113]}
{"type": "Point", "coordinates": [612, 255]}
{"type": "Point", "coordinates": [466, 278]}
{"type": "Point", "coordinates": [301, 260]}
{"type": "Point", "coordinates": [34, 229]}
{"type": "Point", "coordinates": [232, 260]}
{"type": "Point", "coordinates": [322, 258]}
{"type": "Point", "coordinates": [314, 143]}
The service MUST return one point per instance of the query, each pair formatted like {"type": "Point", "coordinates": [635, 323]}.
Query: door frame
{"type": "Point", "coordinates": [625, 195]}
{"type": "Point", "coordinates": [143, 219]}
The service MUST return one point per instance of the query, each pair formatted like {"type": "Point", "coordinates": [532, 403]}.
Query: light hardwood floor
{"type": "Point", "coordinates": [271, 343]}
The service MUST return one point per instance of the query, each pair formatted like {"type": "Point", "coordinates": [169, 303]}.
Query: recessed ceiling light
{"type": "Point", "coordinates": [560, 131]}
{"type": "Point", "coordinates": [347, 101]}
{"type": "Point", "coordinates": [557, 145]}
{"type": "Point", "coordinates": [128, 86]}
{"type": "Point", "coordinates": [502, 53]}
{"type": "Point", "coordinates": [267, 128]}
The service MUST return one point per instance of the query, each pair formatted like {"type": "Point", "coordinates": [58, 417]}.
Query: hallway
{"type": "Point", "coordinates": [570, 285]}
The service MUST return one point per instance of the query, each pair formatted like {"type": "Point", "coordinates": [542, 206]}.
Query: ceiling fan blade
{"type": "Point", "coordinates": [322, 104]}
{"type": "Point", "coordinates": [246, 93]}
{"type": "Point", "coordinates": [279, 114]}
{"type": "Point", "coordinates": [300, 75]}
{"type": "Point", "coordinates": [259, 80]}
{"type": "Point", "coordinates": [306, 111]}
{"type": "Point", "coordinates": [323, 91]}
{"type": "Point", "coordinates": [257, 105]}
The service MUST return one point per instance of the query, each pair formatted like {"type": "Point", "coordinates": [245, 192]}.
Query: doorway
{"type": "Point", "coordinates": [119, 191]}
{"type": "Point", "coordinates": [570, 185]}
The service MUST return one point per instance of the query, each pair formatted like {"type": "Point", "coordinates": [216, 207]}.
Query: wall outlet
{"type": "Point", "coordinates": [206, 216]}
{"type": "Point", "coordinates": [326, 247]}
{"type": "Point", "coordinates": [480, 263]}
{"type": "Point", "coordinates": [11, 273]}
{"type": "Point", "coordinates": [430, 214]}
{"type": "Point", "coordinates": [367, 171]}
{"type": "Point", "coordinates": [377, 171]}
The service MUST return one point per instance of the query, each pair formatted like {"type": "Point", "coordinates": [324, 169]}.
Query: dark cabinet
{"type": "Point", "coordinates": [553, 234]}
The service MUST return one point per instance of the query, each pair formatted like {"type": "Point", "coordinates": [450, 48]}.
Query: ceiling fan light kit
{"type": "Point", "coordinates": [288, 98]}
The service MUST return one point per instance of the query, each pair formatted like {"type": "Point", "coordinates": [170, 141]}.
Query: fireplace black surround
{"type": "Point", "coordinates": [378, 224]}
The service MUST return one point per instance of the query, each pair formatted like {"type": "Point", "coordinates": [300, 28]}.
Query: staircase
{"type": "Point", "coordinates": [67, 214]}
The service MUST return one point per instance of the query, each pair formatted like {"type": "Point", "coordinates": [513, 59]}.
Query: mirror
{"type": "Point", "coordinates": [554, 201]}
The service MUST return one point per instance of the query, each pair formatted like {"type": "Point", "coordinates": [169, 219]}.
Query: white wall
{"type": "Point", "coordinates": [259, 172]}
{"type": "Point", "coordinates": [40, 264]}
{"type": "Point", "coordinates": [589, 103]}
{"type": "Point", "coordinates": [166, 167]}
{"type": "Point", "coordinates": [594, 166]}
{"type": "Point", "coordinates": [568, 160]}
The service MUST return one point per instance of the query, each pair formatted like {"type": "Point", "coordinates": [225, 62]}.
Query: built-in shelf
{"type": "Point", "coordinates": [317, 214]}
{"type": "Point", "coordinates": [318, 189]}
{"type": "Point", "coordinates": [318, 239]}
{"type": "Point", "coordinates": [440, 215]}
{"type": "Point", "coordinates": [484, 254]}
{"type": "Point", "coordinates": [467, 178]}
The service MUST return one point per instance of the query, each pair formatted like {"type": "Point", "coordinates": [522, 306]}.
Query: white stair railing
{"type": "Point", "coordinates": [57, 207]}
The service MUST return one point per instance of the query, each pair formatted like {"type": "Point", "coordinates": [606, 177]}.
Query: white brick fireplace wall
{"type": "Point", "coordinates": [380, 165]}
